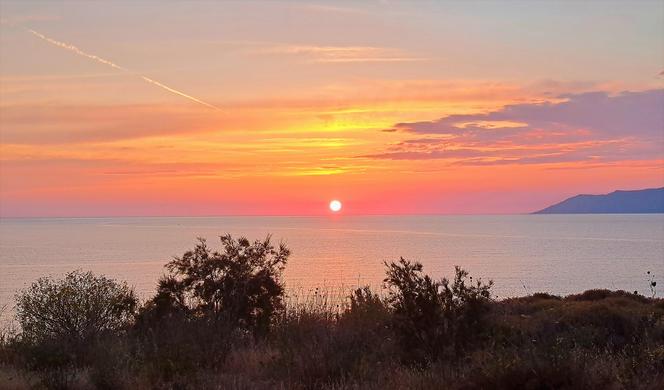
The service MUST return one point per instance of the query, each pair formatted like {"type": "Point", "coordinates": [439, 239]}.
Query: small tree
{"type": "Point", "coordinates": [239, 286]}
{"type": "Point", "coordinates": [76, 308]}
{"type": "Point", "coordinates": [434, 319]}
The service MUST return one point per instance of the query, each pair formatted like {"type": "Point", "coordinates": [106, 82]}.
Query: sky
{"type": "Point", "coordinates": [275, 108]}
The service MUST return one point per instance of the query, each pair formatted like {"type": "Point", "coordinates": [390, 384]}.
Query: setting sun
{"type": "Point", "coordinates": [335, 205]}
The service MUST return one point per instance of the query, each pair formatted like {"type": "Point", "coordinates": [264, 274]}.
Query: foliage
{"type": "Point", "coordinates": [62, 320]}
{"type": "Point", "coordinates": [208, 303]}
{"type": "Point", "coordinates": [77, 308]}
{"type": "Point", "coordinates": [366, 308]}
{"type": "Point", "coordinates": [240, 285]}
{"type": "Point", "coordinates": [434, 319]}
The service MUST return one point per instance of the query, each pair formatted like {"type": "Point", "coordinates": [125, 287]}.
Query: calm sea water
{"type": "Point", "coordinates": [523, 254]}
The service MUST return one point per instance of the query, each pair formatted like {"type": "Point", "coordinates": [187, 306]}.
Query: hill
{"type": "Point", "coordinates": [636, 201]}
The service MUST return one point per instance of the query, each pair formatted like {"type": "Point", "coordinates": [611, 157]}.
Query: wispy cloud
{"type": "Point", "coordinates": [45, 124]}
{"type": "Point", "coordinates": [340, 54]}
{"type": "Point", "coordinates": [325, 8]}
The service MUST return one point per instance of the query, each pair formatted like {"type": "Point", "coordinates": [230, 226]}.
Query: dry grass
{"type": "Point", "coordinates": [12, 379]}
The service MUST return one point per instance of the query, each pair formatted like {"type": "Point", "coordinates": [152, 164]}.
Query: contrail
{"type": "Point", "coordinates": [175, 91]}
{"type": "Point", "coordinates": [77, 51]}
{"type": "Point", "coordinates": [80, 52]}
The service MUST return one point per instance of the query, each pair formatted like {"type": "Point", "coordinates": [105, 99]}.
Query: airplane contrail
{"type": "Point", "coordinates": [80, 52]}
{"type": "Point", "coordinates": [175, 91]}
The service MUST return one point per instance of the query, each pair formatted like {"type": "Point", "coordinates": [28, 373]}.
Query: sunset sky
{"type": "Point", "coordinates": [275, 108]}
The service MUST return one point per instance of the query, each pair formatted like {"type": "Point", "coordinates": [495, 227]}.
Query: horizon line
{"type": "Point", "coordinates": [331, 216]}
{"type": "Point", "coordinates": [260, 215]}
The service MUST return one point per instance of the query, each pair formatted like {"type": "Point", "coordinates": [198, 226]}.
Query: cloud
{"type": "Point", "coordinates": [340, 54]}
{"type": "Point", "coordinates": [114, 166]}
{"type": "Point", "coordinates": [34, 110]}
{"type": "Point", "coordinates": [592, 126]}
{"type": "Point", "coordinates": [61, 124]}
{"type": "Point", "coordinates": [623, 114]}
{"type": "Point", "coordinates": [327, 9]}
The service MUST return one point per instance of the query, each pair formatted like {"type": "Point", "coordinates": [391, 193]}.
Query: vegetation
{"type": "Point", "coordinates": [432, 319]}
{"type": "Point", "coordinates": [62, 321]}
{"type": "Point", "coordinates": [219, 321]}
{"type": "Point", "coordinates": [78, 308]}
{"type": "Point", "coordinates": [239, 287]}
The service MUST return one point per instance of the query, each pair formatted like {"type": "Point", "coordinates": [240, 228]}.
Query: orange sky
{"type": "Point", "coordinates": [370, 103]}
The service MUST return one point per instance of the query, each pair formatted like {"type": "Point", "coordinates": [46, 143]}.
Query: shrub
{"type": "Point", "coordinates": [77, 308]}
{"type": "Point", "coordinates": [434, 319]}
{"type": "Point", "coordinates": [365, 327]}
{"type": "Point", "coordinates": [61, 321]}
{"type": "Point", "coordinates": [601, 294]}
{"type": "Point", "coordinates": [366, 309]}
{"type": "Point", "coordinates": [527, 368]}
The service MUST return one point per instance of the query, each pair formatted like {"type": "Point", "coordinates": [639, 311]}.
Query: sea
{"type": "Point", "coordinates": [522, 254]}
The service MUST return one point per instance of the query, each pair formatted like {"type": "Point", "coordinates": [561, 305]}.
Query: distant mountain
{"type": "Point", "coordinates": [637, 201]}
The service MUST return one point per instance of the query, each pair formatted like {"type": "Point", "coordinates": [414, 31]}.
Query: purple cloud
{"type": "Point", "coordinates": [624, 114]}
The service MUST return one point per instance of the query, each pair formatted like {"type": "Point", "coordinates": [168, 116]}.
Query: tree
{"type": "Point", "coordinates": [76, 308]}
{"type": "Point", "coordinates": [240, 286]}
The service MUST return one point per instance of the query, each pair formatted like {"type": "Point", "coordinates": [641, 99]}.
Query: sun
{"type": "Point", "coordinates": [335, 206]}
